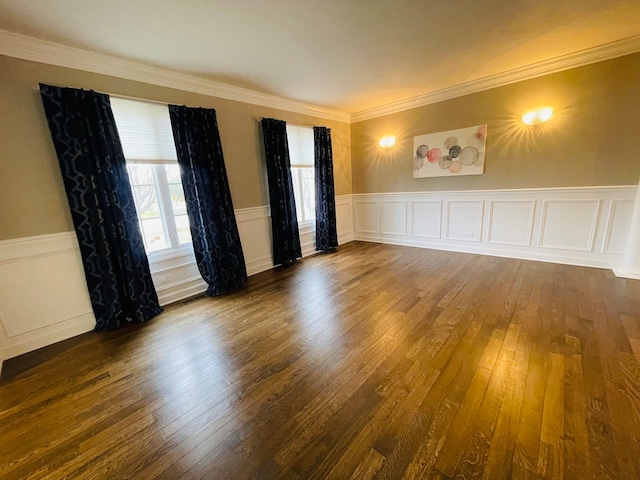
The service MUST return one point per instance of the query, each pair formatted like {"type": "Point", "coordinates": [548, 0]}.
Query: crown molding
{"type": "Point", "coordinates": [29, 48]}
{"type": "Point", "coordinates": [565, 62]}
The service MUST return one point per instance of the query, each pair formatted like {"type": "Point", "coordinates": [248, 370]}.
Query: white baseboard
{"type": "Point", "coordinates": [180, 290]}
{"type": "Point", "coordinates": [342, 239]}
{"type": "Point", "coordinates": [70, 328]}
{"type": "Point", "coordinates": [624, 273]}
{"type": "Point", "coordinates": [538, 257]}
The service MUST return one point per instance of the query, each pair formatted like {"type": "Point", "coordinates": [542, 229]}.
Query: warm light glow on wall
{"type": "Point", "coordinates": [388, 141]}
{"type": "Point", "coordinates": [536, 117]}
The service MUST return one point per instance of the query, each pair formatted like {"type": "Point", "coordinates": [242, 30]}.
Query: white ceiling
{"type": "Point", "coordinates": [350, 55]}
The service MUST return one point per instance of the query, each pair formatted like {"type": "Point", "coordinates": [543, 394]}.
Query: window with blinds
{"type": "Point", "coordinates": [147, 141]}
{"type": "Point", "coordinates": [301, 154]}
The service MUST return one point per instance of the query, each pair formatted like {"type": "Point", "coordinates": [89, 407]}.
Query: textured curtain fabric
{"type": "Point", "coordinates": [97, 184]}
{"type": "Point", "coordinates": [284, 220]}
{"type": "Point", "coordinates": [216, 242]}
{"type": "Point", "coordinates": [326, 231]}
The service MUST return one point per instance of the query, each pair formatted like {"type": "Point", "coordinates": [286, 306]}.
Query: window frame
{"type": "Point", "coordinates": [298, 171]}
{"type": "Point", "coordinates": [167, 214]}
{"type": "Point", "coordinates": [146, 135]}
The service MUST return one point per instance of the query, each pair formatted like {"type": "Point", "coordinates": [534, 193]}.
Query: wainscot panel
{"type": "Point", "coordinates": [578, 226]}
{"type": "Point", "coordinates": [43, 294]}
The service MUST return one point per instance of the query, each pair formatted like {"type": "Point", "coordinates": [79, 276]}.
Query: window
{"type": "Point", "coordinates": [147, 141]}
{"type": "Point", "coordinates": [301, 153]}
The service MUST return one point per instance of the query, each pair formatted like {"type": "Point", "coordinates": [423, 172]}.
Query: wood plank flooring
{"type": "Point", "coordinates": [376, 361]}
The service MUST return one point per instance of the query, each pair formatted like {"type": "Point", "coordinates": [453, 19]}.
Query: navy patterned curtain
{"type": "Point", "coordinates": [326, 231]}
{"type": "Point", "coordinates": [97, 184]}
{"type": "Point", "coordinates": [284, 220]}
{"type": "Point", "coordinates": [216, 242]}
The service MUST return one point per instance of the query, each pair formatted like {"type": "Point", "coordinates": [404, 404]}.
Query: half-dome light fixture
{"type": "Point", "coordinates": [387, 141]}
{"type": "Point", "coordinates": [536, 117]}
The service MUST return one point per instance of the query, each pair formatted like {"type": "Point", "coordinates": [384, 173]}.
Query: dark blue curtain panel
{"type": "Point", "coordinates": [216, 241]}
{"type": "Point", "coordinates": [326, 230]}
{"type": "Point", "coordinates": [95, 178]}
{"type": "Point", "coordinates": [284, 220]}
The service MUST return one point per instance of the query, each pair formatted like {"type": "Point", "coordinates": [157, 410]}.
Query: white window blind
{"type": "Point", "coordinates": [145, 131]}
{"type": "Point", "coordinates": [301, 154]}
{"type": "Point", "coordinates": [300, 145]}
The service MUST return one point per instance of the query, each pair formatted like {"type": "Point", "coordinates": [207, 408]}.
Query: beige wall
{"type": "Point", "coordinates": [32, 199]}
{"type": "Point", "coordinates": [593, 138]}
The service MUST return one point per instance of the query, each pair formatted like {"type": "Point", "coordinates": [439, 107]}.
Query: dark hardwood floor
{"type": "Point", "coordinates": [373, 362]}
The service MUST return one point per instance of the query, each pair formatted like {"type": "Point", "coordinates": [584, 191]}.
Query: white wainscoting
{"type": "Point", "coordinates": [344, 219]}
{"type": "Point", "coordinates": [43, 294]}
{"type": "Point", "coordinates": [616, 231]}
{"type": "Point", "coordinates": [579, 226]}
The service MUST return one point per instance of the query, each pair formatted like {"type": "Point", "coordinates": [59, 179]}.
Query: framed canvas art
{"type": "Point", "coordinates": [451, 153]}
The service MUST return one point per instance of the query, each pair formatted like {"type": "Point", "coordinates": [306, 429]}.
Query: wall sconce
{"type": "Point", "coordinates": [536, 117]}
{"type": "Point", "coordinates": [387, 141]}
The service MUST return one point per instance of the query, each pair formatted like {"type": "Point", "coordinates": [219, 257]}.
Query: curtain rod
{"type": "Point", "coordinates": [289, 123]}
{"type": "Point", "coordinates": [157, 102]}
{"type": "Point", "coordinates": [117, 95]}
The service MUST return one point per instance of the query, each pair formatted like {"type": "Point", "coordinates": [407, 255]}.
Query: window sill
{"type": "Point", "coordinates": [183, 250]}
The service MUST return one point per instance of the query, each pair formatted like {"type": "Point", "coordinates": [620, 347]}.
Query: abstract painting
{"type": "Point", "coordinates": [451, 153]}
